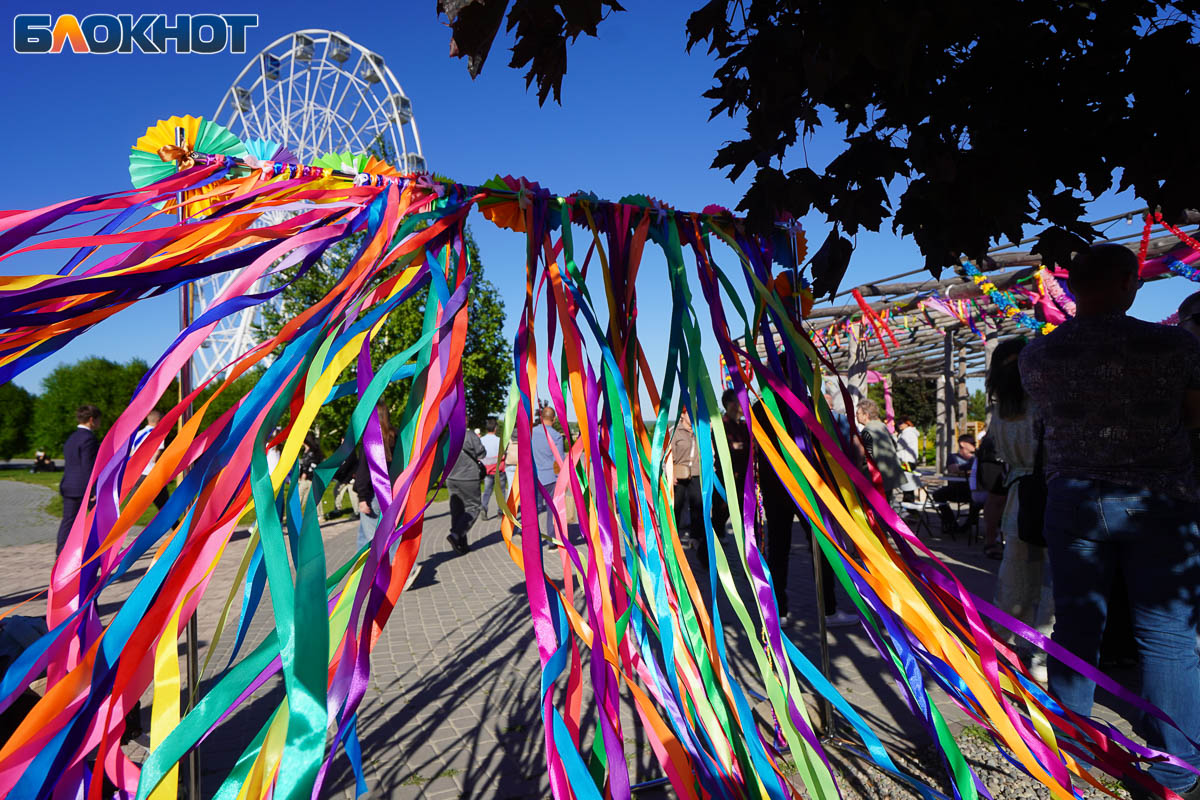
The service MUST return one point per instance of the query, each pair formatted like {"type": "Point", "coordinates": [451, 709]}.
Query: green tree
{"type": "Point", "coordinates": [930, 100]}
{"type": "Point", "coordinates": [95, 380]}
{"type": "Point", "coordinates": [228, 398]}
{"type": "Point", "coordinates": [16, 418]}
{"type": "Point", "coordinates": [876, 395]}
{"type": "Point", "coordinates": [485, 362]}
{"type": "Point", "coordinates": [917, 399]}
{"type": "Point", "coordinates": [977, 406]}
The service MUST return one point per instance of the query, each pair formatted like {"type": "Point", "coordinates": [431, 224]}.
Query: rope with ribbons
{"type": "Point", "coordinates": [629, 603]}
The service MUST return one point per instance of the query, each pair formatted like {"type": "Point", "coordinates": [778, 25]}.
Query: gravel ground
{"type": "Point", "coordinates": [860, 780]}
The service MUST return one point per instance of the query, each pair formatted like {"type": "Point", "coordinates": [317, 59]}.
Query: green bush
{"type": "Point", "coordinates": [16, 418]}
{"type": "Point", "coordinates": [95, 380]}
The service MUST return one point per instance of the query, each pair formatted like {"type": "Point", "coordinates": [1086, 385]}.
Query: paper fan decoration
{"type": "Point", "coordinates": [202, 135]}
{"type": "Point", "coordinates": [356, 162]}
{"type": "Point", "coordinates": [267, 150]}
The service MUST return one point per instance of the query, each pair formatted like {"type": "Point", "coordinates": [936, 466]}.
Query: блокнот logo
{"type": "Point", "coordinates": [122, 33]}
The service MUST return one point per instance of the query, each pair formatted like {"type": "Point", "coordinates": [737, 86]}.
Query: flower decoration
{"type": "Point", "coordinates": [1005, 301]}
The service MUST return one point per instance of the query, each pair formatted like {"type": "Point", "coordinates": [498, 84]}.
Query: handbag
{"type": "Point", "coordinates": [991, 471]}
{"type": "Point", "coordinates": [1031, 494]}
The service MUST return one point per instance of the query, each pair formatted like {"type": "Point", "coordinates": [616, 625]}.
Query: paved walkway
{"type": "Point", "coordinates": [24, 521]}
{"type": "Point", "coordinates": [453, 710]}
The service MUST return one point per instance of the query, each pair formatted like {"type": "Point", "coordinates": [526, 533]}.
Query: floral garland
{"type": "Point", "coordinates": [1005, 301]}
{"type": "Point", "coordinates": [1174, 265]}
{"type": "Point", "coordinates": [1183, 270]}
{"type": "Point", "coordinates": [1055, 290]}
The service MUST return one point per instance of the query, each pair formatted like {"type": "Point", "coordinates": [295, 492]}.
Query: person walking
{"type": "Point", "coordinates": [880, 447]}
{"type": "Point", "coordinates": [738, 439]}
{"type": "Point", "coordinates": [908, 450]}
{"type": "Point", "coordinates": [310, 455]}
{"type": "Point", "coordinates": [462, 481]}
{"type": "Point", "coordinates": [781, 513]}
{"type": "Point", "coordinates": [79, 456]}
{"type": "Point", "coordinates": [1117, 396]}
{"type": "Point", "coordinates": [547, 449]}
{"type": "Point", "coordinates": [1189, 320]}
{"type": "Point", "coordinates": [1021, 587]}
{"type": "Point", "coordinates": [491, 464]}
{"type": "Point", "coordinates": [343, 484]}
{"type": "Point", "coordinates": [368, 503]}
{"type": "Point", "coordinates": [685, 456]}
{"type": "Point", "coordinates": [509, 463]}
{"type": "Point", "coordinates": [152, 419]}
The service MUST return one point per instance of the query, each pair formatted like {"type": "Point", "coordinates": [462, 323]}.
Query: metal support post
{"type": "Point", "coordinates": [193, 634]}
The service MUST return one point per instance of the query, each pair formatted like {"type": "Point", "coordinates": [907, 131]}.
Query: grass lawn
{"type": "Point", "coordinates": [53, 506]}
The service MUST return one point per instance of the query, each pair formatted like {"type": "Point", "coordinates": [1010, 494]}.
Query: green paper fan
{"type": "Point", "coordinates": [200, 135]}
{"type": "Point", "coordinates": [343, 162]}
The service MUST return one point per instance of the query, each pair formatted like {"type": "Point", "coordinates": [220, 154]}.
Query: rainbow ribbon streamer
{"type": "Point", "coordinates": [1005, 301]}
{"type": "Point", "coordinates": [629, 606]}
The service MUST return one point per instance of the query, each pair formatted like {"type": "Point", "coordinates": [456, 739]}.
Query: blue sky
{"type": "Point", "coordinates": [632, 121]}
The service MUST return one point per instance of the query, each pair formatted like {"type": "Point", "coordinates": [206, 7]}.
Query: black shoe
{"type": "Point", "coordinates": [459, 543]}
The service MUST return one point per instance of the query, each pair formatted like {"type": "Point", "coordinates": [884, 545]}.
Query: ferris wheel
{"type": "Point", "coordinates": [305, 95]}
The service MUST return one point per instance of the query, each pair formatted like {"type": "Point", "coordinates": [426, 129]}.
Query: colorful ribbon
{"type": "Point", "coordinates": [629, 608]}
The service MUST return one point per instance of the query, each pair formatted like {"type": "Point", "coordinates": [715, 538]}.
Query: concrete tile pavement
{"type": "Point", "coordinates": [452, 709]}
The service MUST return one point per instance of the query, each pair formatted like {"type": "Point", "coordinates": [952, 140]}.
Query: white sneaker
{"type": "Point", "coordinates": [1037, 668]}
{"type": "Point", "coordinates": [841, 619]}
{"type": "Point", "coordinates": [412, 576]}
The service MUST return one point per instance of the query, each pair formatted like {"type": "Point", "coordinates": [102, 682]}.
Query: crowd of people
{"type": "Point", "coordinates": [1087, 479]}
{"type": "Point", "coordinates": [1114, 399]}
{"type": "Point", "coordinates": [476, 473]}
{"type": "Point", "coordinates": [1094, 430]}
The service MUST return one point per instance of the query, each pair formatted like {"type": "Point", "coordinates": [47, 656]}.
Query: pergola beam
{"type": "Point", "coordinates": [929, 361]}
{"type": "Point", "coordinates": [923, 376]}
{"type": "Point", "coordinates": [1014, 268]}
{"type": "Point", "coordinates": [915, 346]}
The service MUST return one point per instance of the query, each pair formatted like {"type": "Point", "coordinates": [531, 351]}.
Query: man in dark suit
{"type": "Point", "coordinates": [79, 452]}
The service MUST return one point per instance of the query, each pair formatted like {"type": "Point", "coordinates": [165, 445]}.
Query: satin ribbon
{"type": "Point", "coordinates": [628, 605]}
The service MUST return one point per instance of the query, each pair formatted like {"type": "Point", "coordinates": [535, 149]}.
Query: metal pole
{"type": "Point", "coordinates": [824, 704]}
{"type": "Point", "coordinates": [654, 783]}
{"type": "Point", "coordinates": [193, 634]}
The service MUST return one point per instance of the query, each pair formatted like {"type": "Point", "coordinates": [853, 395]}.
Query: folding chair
{"type": "Point", "coordinates": [921, 506]}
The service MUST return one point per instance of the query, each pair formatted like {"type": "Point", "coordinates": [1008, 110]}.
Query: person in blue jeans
{"type": "Point", "coordinates": [364, 489]}
{"type": "Point", "coordinates": [1117, 397]}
